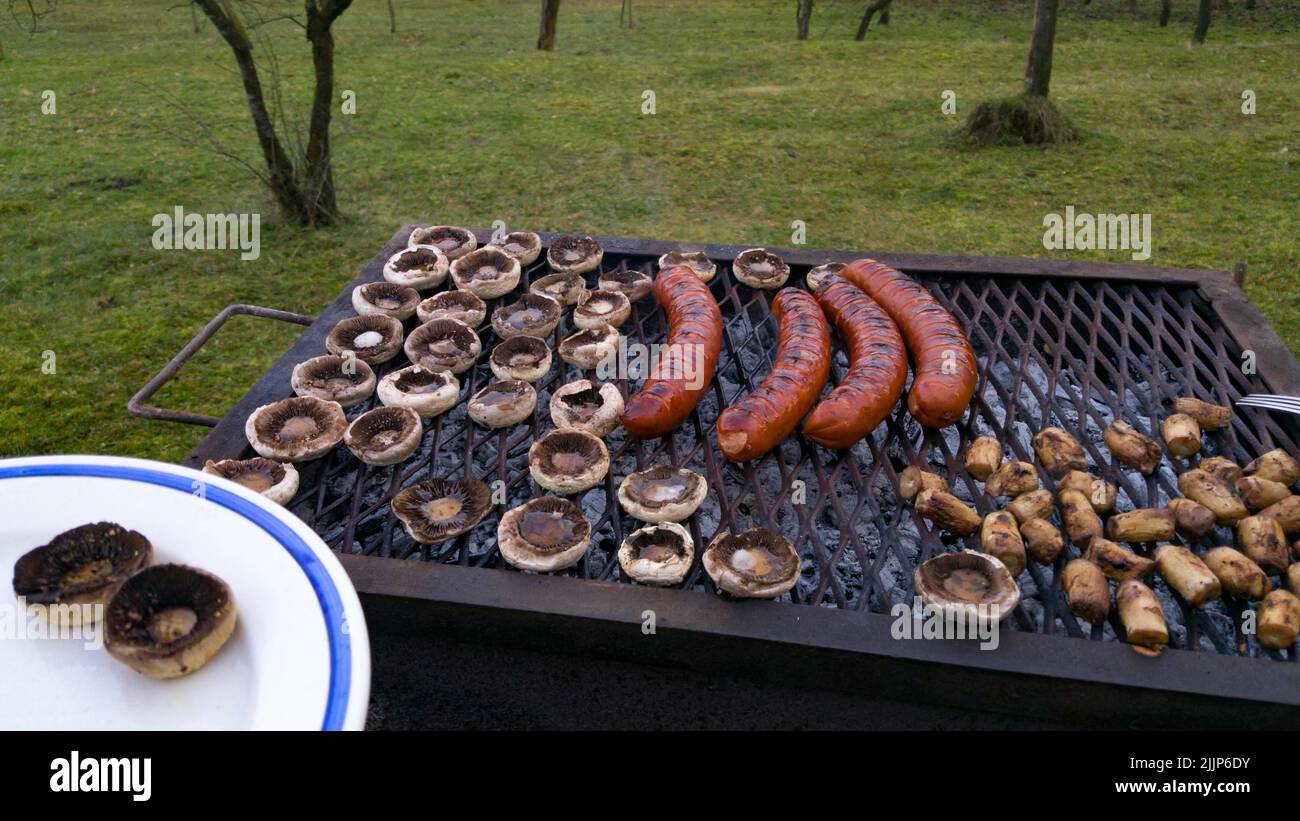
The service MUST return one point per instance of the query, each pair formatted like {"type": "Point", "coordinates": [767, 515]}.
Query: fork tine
{"type": "Point", "coordinates": [1286, 404]}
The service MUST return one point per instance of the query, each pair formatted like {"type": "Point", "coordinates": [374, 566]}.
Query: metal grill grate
{"type": "Point", "coordinates": [1077, 353]}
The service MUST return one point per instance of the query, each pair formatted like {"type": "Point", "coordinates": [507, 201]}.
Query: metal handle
{"type": "Point", "coordinates": [137, 405]}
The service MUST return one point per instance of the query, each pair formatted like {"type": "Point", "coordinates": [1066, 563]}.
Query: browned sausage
{"type": "Point", "coordinates": [758, 421]}
{"type": "Point", "coordinates": [944, 367]}
{"type": "Point", "coordinates": [877, 368]}
{"type": "Point", "coordinates": [682, 374]}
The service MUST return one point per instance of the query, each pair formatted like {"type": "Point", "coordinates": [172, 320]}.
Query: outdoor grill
{"type": "Point", "coordinates": [1074, 344]}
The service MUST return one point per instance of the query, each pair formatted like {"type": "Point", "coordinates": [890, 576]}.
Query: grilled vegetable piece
{"type": "Point", "coordinates": [1192, 520]}
{"type": "Point", "coordinates": [1286, 513]}
{"type": "Point", "coordinates": [1101, 494]}
{"type": "Point", "coordinates": [1087, 592]}
{"type": "Point", "coordinates": [1279, 620]}
{"type": "Point", "coordinates": [1184, 571]}
{"type": "Point", "coordinates": [1012, 479]}
{"type": "Point", "coordinates": [983, 457]}
{"type": "Point", "coordinates": [1214, 493]}
{"type": "Point", "coordinates": [913, 480]}
{"type": "Point", "coordinates": [1059, 452]}
{"type": "Point", "coordinates": [1147, 524]}
{"type": "Point", "coordinates": [1000, 538]}
{"type": "Point", "coordinates": [1209, 416]}
{"type": "Point", "coordinates": [1222, 468]}
{"type": "Point", "coordinates": [1142, 617]}
{"type": "Point", "coordinates": [1132, 447]}
{"type": "Point", "coordinates": [1239, 576]}
{"type": "Point", "coordinates": [1277, 465]}
{"type": "Point", "coordinates": [1264, 542]}
{"type": "Point", "coordinates": [1043, 540]}
{"type": "Point", "coordinates": [1258, 493]}
{"type": "Point", "coordinates": [1118, 562]}
{"type": "Point", "coordinates": [1182, 435]}
{"type": "Point", "coordinates": [1036, 504]}
{"type": "Point", "coordinates": [948, 512]}
{"type": "Point", "coordinates": [1082, 524]}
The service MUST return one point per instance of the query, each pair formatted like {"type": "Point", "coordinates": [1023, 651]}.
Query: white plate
{"type": "Point", "coordinates": [299, 657]}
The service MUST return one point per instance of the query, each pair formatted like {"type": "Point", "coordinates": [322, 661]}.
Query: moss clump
{"type": "Point", "coordinates": [1025, 119]}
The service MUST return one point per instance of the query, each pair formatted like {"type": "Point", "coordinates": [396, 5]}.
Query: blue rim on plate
{"type": "Point", "coordinates": [326, 593]}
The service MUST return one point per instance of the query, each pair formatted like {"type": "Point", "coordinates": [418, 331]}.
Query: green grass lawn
{"type": "Point", "coordinates": [459, 120]}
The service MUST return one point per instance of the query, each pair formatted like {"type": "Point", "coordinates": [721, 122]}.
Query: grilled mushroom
{"type": "Point", "coordinates": [574, 254]}
{"type": "Point", "coordinates": [583, 406]}
{"type": "Point", "coordinates": [488, 272]}
{"type": "Point", "coordinates": [568, 461]}
{"type": "Point", "coordinates": [443, 345]}
{"type": "Point", "coordinates": [452, 241]}
{"type": "Point", "coordinates": [426, 392]}
{"type": "Point", "coordinates": [757, 564]}
{"type": "Point", "coordinates": [461, 305]}
{"type": "Point", "coordinates": [274, 480]}
{"type": "Point", "coordinates": [169, 620]}
{"type": "Point", "coordinates": [526, 358]}
{"type": "Point", "coordinates": [373, 338]}
{"type": "Point", "coordinates": [78, 569]}
{"type": "Point", "coordinates": [598, 308]}
{"type": "Point", "coordinates": [972, 587]}
{"type": "Point", "coordinates": [635, 285]}
{"type": "Point", "coordinates": [760, 268]}
{"type": "Point", "coordinates": [296, 429]}
{"type": "Point", "coordinates": [530, 315]}
{"type": "Point", "coordinates": [543, 535]}
{"type": "Point", "coordinates": [662, 493]}
{"type": "Point", "coordinates": [436, 510]}
{"type": "Point", "coordinates": [565, 289]}
{"type": "Point", "coordinates": [420, 267]}
{"type": "Point", "coordinates": [397, 301]}
{"type": "Point", "coordinates": [697, 261]}
{"type": "Point", "coordinates": [823, 272]}
{"type": "Point", "coordinates": [347, 380]}
{"type": "Point", "coordinates": [588, 348]}
{"type": "Point", "coordinates": [384, 436]}
{"type": "Point", "coordinates": [504, 403]}
{"type": "Point", "coordinates": [524, 246]}
{"type": "Point", "coordinates": [659, 554]}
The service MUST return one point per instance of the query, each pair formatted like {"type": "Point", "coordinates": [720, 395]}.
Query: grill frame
{"type": "Point", "coordinates": [816, 646]}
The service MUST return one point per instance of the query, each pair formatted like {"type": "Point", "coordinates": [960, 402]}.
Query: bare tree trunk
{"type": "Point", "coordinates": [318, 176]}
{"type": "Point", "coordinates": [194, 15]}
{"type": "Point", "coordinates": [884, 16]}
{"type": "Point", "coordinates": [626, 10]}
{"type": "Point", "coordinates": [280, 174]}
{"type": "Point", "coordinates": [1202, 22]}
{"type": "Point", "coordinates": [1166, 6]}
{"type": "Point", "coordinates": [872, 7]}
{"type": "Point", "coordinates": [550, 12]}
{"type": "Point", "coordinates": [1038, 74]}
{"type": "Point", "coordinates": [803, 16]}
{"type": "Point", "coordinates": [392, 18]}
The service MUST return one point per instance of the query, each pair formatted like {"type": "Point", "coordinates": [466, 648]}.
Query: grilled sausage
{"type": "Point", "coordinates": [683, 374]}
{"type": "Point", "coordinates": [943, 361]}
{"type": "Point", "coordinates": [758, 421]}
{"type": "Point", "coordinates": [877, 368]}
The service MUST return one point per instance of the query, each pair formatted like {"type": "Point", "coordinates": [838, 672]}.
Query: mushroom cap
{"type": "Point", "coordinates": [397, 301]}
{"type": "Point", "coordinates": [296, 429]}
{"type": "Point", "coordinates": [81, 566]}
{"type": "Point", "coordinates": [583, 406]}
{"type": "Point", "coordinates": [760, 268]}
{"type": "Point", "coordinates": [451, 240]}
{"type": "Point", "coordinates": [443, 345]}
{"type": "Point", "coordinates": [503, 403]}
{"type": "Point", "coordinates": [385, 435]}
{"type": "Point", "coordinates": [590, 347]}
{"type": "Point", "coordinates": [697, 261]}
{"type": "Point", "coordinates": [526, 358]}
{"type": "Point", "coordinates": [544, 535]}
{"type": "Point", "coordinates": [436, 510]}
{"type": "Point", "coordinates": [373, 338]}
{"type": "Point", "coordinates": [564, 288]}
{"type": "Point", "coordinates": [461, 305]}
{"type": "Point", "coordinates": [574, 254]}
{"type": "Point", "coordinates": [821, 273]}
{"type": "Point", "coordinates": [277, 481]}
{"type": "Point", "coordinates": [756, 564]}
{"type": "Point", "coordinates": [426, 392]}
{"type": "Point", "coordinates": [530, 315]}
{"type": "Point", "coordinates": [662, 493]}
{"type": "Point", "coordinates": [973, 586]}
{"type": "Point", "coordinates": [169, 620]}
{"type": "Point", "coordinates": [598, 308]}
{"type": "Point", "coordinates": [524, 246]}
{"type": "Point", "coordinates": [635, 285]}
{"type": "Point", "coordinates": [658, 554]}
{"type": "Point", "coordinates": [568, 461]}
{"type": "Point", "coordinates": [488, 272]}
{"type": "Point", "coordinates": [347, 380]}
{"type": "Point", "coordinates": [420, 267]}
